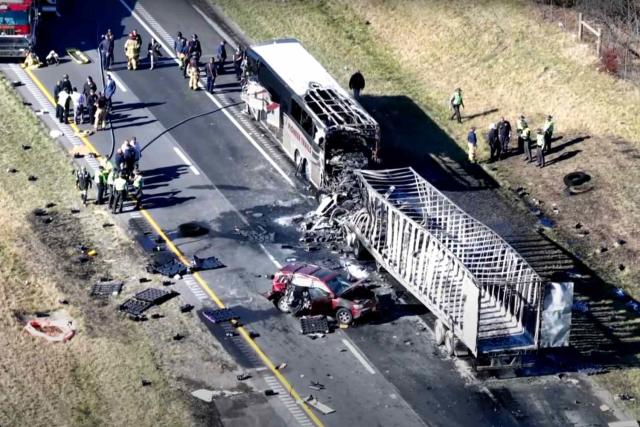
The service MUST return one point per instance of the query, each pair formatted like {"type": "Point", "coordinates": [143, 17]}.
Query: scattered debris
{"type": "Point", "coordinates": [315, 385]}
{"type": "Point", "coordinates": [106, 288]}
{"type": "Point", "coordinates": [604, 408]}
{"type": "Point", "coordinates": [143, 280]}
{"type": "Point", "coordinates": [138, 318]}
{"type": "Point", "coordinates": [40, 212]}
{"type": "Point", "coordinates": [257, 214]}
{"type": "Point", "coordinates": [186, 308]}
{"type": "Point", "coordinates": [315, 403]}
{"type": "Point", "coordinates": [192, 229]}
{"type": "Point", "coordinates": [220, 315]}
{"type": "Point", "coordinates": [203, 394]}
{"type": "Point", "coordinates": [50, 205]}
{"type": "Point", "coordinates": [135, 307]}
{"type": "Point", "coordinates": [52, 330]}
{"type": "Point", "coordinates": [619, 242]}
{"type": "Point", "coordinates": [145, 382]}
{"type": "Point", "coordinates": [169, 268]}
{"type": "Point", "coordinates": [107, 225]}
{"type": "Point", "coordinates": [155, 296]}
{"type": "Point", "coordinates": [26, 147]}
{"type": "Point", "coordinates": [576, 178]}
{"type": "Point", "coordinates": [209, 263]}
{"type": "Point", "coordinates": [269, 392]}
{"type": "Point", "coordinates": [627, 397]}
{"type": "Point", "coordinates": [157, 316]}
{"type": "Point", "coordinates": [12, 170]}
{"type": "Point", "coordinates": [621, 267]}
{"type": "Point", "coordinates": [314, 325]}
{"type": "Point", "coordinates": [281, 366]}
{"type": "Point", "coordinates": [32, 178]}
{"type": "Point", "coordinates": [243, 376]}
{"type": "Point", "coordinates": [258, 234]}
{"type": "Point", "coordinates": [178, 337]}
{"type": "Point", "coordinates": [55, 133]}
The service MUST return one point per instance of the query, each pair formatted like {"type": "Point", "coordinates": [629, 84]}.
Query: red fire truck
{"type": "Point", "coordinates": [18, 25]}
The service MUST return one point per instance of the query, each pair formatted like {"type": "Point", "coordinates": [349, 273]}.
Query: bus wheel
{"type": "Point", "coordinates": [301, 165]}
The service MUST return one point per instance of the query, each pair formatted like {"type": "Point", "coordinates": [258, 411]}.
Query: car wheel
{"type": "Point", "coordinates": [282, 304]}
{"type": "Point", "coordinates": [449, 344]}
{"type": "Point", "coordinates": [344, 316]}
{"type": "Point", "coordinates": [440, 332]}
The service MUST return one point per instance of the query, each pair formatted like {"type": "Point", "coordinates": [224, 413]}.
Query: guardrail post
{"type": "Point", "coordinates": [579, 26]}
{"type": "Point", "coordinates": [599, 41]}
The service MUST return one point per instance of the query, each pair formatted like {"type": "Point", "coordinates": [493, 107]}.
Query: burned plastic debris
{"type": "Point", "coordinates": [168, 267]}
{"type": "Point", "coordinates": [145, 299]}
{"type": "Point", "coordinates": [314, 325]}
{"type": "Point", "coordinates": [220, 315]}
{"type": "Point", "coordinates": [209, 263]}
{"type": "Point", "coordinates": [106, 288]}
{"type": "Point", "coordinates": [135, 307]}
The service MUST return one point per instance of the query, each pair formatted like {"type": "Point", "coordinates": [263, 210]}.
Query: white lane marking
{"type": "Point", "coordinates": [359, 356]}
{"type": "Point", "coordinates": [271, 257]}
{"type": "Point", "coordinates": [171, 53]}
{"type": "Point", "coordinates": [216, 27]}
{"type": "Point", "coordinates": [186, 161]}
{"type": "Point", "coordinates": [119, 84]}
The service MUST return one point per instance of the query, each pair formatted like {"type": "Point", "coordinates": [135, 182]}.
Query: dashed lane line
{"type": "Point", "coordinates": [186, 161]}
{"type": "Point", "coordinates": [359, 356]}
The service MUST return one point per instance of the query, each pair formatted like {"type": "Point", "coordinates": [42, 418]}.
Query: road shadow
{"type": "Point", "coordinates": [411, 138]}
{"type": "Point", "coordinates": [163, 174]}
{"type": "Point", "coordinates": [562, 157]}
{"type": "Point", "coordinates": [164, 200]}
{"type": "Point", "coordinates": [121, 107]}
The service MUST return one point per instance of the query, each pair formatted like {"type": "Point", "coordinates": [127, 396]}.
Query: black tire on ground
{"type": "Point", "coordinates": [576, 178]}
{"type": "Point", "coordinates": [449, 344]}
{"type": "Point", "coordinates": [344, 316]}
{"type": "Point", "coordinates": [192, 229]}
{"type": "Point", "coordinates": [440, 331]}
{"type": "Point", "coordinates": [360, 252]}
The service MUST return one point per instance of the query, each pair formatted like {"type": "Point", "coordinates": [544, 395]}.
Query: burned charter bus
{"type": "Point", "coordinates": [318, 124]}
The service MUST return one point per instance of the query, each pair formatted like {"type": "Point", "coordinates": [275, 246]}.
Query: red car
{"type": "Point", "coordinates": [299, 288]}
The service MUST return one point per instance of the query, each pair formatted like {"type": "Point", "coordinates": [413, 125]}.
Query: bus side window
{"type": "Point", "coordinates": [307, 123]}
{"type": "Point", "coordinates": [296, 111]}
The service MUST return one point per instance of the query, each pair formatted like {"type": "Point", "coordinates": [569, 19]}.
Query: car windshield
{"type": "Point", "coordinates": [14, 18]}
{"type": "Point", "coordinates": [338, 284]}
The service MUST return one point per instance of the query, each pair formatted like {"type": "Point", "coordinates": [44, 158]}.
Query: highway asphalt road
{"type": "Point", "coordinates": [232, 177]}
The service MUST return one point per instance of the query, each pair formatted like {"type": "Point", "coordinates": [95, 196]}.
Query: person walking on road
{"type": "Point", "coordinates": [521, 124]}
{"type": "Point", "coordinates": [212, 73]}
{"type": "Point", "coordinates": [194, 74]}
{"type": "Point", "coordinates": [66, 83]}
{"type": "Point", "coordinates": [494, 143]}
{"type": "Point", "coordinates": [88, 85]}
{"type": "Point", "coordinates": [101, 182]}
{"type": "Point", "coordinates": [356, 83]}
{"type": "Point", "coordinates": [79, 102]}
{"type": "Point", "coordinates": [101, 112]}
{"type": "Point", "coordinates": [472, 143]}
{"type": "Point", "coordinates": [221, 52]}
{"type": "Point", "coordinates": [153, 52]}
{"type": "Point", "coordinates": [504, 135]}
{"type": "Point", "coordinates": [237, 62]}
{"type": "Point", "coordinates": [91, 101]}
{"type": "Point", "coordinates": [84, 181]}
{"type": "Point", "coordinates": [456, 103]}
{"type": "Point", "coordinates": [194, 48]}
{"type": "Point", "coordinates": [526, 143]}
{"type": "Point", "coordinates": [62, 106]}
{"type": "Point", "coordinates": [540, 142]}
{"type": "Point", "coordinates": [138, 183]}
{"type": "Point", "coordinates": [132, 50]}
{"type": "Point", "coordinates": [548, 133]}
{"type": "Point", "coordinates": [109, 90]}
{"type": "Point", "coordinates": [120, 188]}
{"type": "Point", "coordinates": [180, 48]}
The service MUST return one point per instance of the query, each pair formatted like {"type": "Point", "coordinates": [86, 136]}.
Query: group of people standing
{"type": "Point", "coordinates": [499, 136]}
{"type": "Point", "coordinates": [189, 53]}
{"type": "Point", "coordinates": [90, 102]}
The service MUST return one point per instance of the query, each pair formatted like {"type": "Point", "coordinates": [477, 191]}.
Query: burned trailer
{"type": "Point", "coordinates": [487, 299]}
{"type": "Point", "coordinates": [317, 123]}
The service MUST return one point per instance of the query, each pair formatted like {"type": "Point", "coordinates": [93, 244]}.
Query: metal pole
{"type": "Point", "coordinates": [599, 42]}
{"type": "Point", "coordinates": [579, 26]}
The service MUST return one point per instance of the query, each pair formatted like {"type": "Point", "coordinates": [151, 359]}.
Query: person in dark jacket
{"type": "Point", "coordinates": [494, 143]}
{"type": "Point", "coordinates": [194, 48]}
{"type": "Point", "coordinates": [180, 48]}
{"type": "Point", "coordinates": [56, 89]}
{"type": "Point", "coordinates": [472, 142]}
{"type": "Point", "coordinates": [356, 83]}
{"type": "Point", "coordinates": [88, 86]}
{"type": "Point", "coordinates": [92, 100]}
{"type": "Point", "coordinates": [221, 53]}
{"type": "Point", "coordinates": [504, 135]}
{"type": "Point", "coordinates": [212, 73]}
{"type": "Point", "coordinates": [66, 83]}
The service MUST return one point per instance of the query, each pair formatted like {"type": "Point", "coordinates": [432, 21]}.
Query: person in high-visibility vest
{"type": "Point", "coordinates": [100, 179]}
{"type": "Point", "coordinates": [540, 142]}
{"type": "Point", "coordinates": [521, 124]}
{"type": "Point", "coordinates": [111, 178]}
{"type": "Point", "coordinates": [526, 143]}
{"type": "Point", "coordinates": [456, 103]}
{"type": "Point", "coordinates": [194, 73]}
{"type": "Point", "coordinates": [120, 188]}
{"type": "Point", "coordinates": [138, 183]}
{"type": "Point", "coordinates": [548, 133]}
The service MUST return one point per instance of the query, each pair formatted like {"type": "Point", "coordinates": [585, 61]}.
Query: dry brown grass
{"type": "Point", "coordinates": [95, 379]}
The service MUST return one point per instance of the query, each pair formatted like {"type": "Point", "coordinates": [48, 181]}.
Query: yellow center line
{"type": "Point", "coordinates": [203, 284]}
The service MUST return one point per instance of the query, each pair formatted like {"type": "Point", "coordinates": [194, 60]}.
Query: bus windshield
{"type": "Point", "coordinates": [14, 18]}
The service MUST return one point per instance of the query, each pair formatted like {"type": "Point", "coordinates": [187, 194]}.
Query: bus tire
{"type": "Point", "coordinates": [440, 332]}
{"type": "Point", "coordinates": [359, 251]}
{"type": "Point", "coordinates": [449, 344]}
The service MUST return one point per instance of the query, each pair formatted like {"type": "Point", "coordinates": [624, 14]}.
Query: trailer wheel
{"type": "Point", "coordinates": [449, 344]}
{"type": "Point", "coordinates": [440, 332]}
